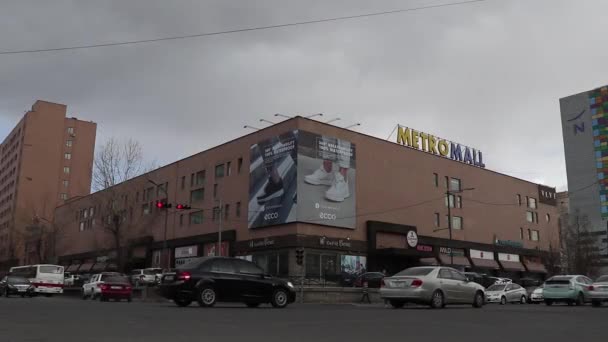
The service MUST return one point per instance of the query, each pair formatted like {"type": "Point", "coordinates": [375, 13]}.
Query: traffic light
{"type": "Point", "coordinates": [163, 205]}
{"type": "Point", "coordinates": [299, 256]}
{"type": "Point", "coordinates": [182, 207]}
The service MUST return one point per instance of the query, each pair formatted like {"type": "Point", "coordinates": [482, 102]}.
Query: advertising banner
{"type": "Point", "coordinates": [186, 252]}
{"type": "Point", "coordinates": [508, 257]}
{"type": "Point", "coordinates": [298, 167]}
{"type": "Point", "coordinates": [475, 254]}
{"type": "Point", "coordinates": [210, 249]}
{"type": "Point", "coordinates": [353, 264]}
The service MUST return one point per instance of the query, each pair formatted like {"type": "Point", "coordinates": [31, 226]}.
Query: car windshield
{"type": "Point", "coordinates": [496, 288]}
{"type": "Point", "coordinates": [558, 281]}
{"type": "Point", "coordinates": [117, 279]}
{"type": "Point", "coordinates": [415, 271]}
{"type": "Point", "coordinates": [17, 280]}
{"type": "Point", "coordinates": [602, 279]}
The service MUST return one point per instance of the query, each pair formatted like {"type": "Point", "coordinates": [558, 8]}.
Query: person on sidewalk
{"type": "Point", "coordinates": [337, 181]}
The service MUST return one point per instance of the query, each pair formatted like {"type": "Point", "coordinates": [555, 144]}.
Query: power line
{"type": "Point", "coordinates": [217, 33]}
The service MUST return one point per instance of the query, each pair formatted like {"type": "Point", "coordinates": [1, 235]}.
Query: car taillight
{"type": "Point", "coordinates": [416, 283]}
{"type": "Point", "coordinates": [104, 287]}
{"type": "Point", "coordinates": [128, 288]}
{"type": "Point", "coordinates": [184, 275]}
{"type": "Point", "coordinates": [382, 283]}
{"type": "Point", "coordinates": [591, 288]}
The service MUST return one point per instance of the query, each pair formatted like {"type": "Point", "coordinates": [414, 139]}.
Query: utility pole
{"type": "Point", "coordinates": [448, 194]}
{"type": "Point", "coordinates": [165, 245]}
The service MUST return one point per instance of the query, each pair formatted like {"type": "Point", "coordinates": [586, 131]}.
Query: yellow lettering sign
{"type": "Point", "coordinates": [424, 138]}
{"type": "Point", "coordinates": [404, 136]}
{"type": "Point", "coordinates": [432, 145]}
{"type": "Point", "coordinates": [415, 136]}
{"type": "Point", "coordinates": [444, 148]}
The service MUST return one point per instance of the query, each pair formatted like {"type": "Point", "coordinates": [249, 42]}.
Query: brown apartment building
{"type": "Point", "coordinates": [304, 197]}
{"type": "Point", "coordinates": [45, 160]}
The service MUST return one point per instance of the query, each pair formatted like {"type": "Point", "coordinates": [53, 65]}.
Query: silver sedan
{"type": "Point", "coordinates": [506, 293]}
{"type": "Point", "coordinates": [434, 286]}
{"type": "Point", "coordinates": [598, 291]}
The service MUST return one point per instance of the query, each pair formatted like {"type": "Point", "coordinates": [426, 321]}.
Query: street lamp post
{"type": "Point", "coordinates": [165, 246]}
{"type": "Point", "coordinates": [449, 193]}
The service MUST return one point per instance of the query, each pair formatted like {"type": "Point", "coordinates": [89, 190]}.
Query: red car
{"type": "Point", "coordinates": [116, 287]}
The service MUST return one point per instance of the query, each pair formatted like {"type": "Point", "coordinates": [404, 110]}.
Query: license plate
{"type": "Point", "coordinates": [399, 284]}
{"type": "Point", "coordinates": [21, 290]}
{"type": "Point", "coordinates": [168, 278]}
{"type": "Point", "coordinates": [116, 287]}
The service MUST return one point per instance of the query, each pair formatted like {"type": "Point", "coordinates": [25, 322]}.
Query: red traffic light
{"type": "Point", "coordinates": [182, 207]}
{"type": "Point", "coordinates": [162, 205]}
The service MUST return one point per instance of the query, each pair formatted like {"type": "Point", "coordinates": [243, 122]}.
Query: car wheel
{"type": "Point", "coordinates": [207, 297]}
{"type": "Point", "coordinates": [522, 300]}
{"type": "Point", "coordinates": [548, 302]}
{"type": "Point", "coordinates": [279, 298]}
{"type": "Point", "coordinates": [580, 300]}
{"type": "Point", "coordinates": [397, 304]}
{"type": "Point", "coordinates": [437, 301]}
{"type": "Point", "coordinates": [503, 300]}
{"type": "Point", "coordinates": [252, 305]}
{"type": "Point", "coordinates": [596, 303]}
{"type": "Point", "coordinates": [478, 300]}
{"type": "Point", "coordinates": [182, 302]}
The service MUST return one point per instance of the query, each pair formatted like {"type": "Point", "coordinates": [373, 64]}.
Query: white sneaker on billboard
{"type": "Point", "coordinates": [320, 177]}
{"type": "Point", "coordinates": [339, 190]}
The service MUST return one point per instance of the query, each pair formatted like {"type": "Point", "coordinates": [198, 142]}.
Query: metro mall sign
{"type": "Point", "coordinates": [434, 145]}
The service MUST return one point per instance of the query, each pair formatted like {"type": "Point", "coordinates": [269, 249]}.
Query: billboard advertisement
{"type": "Point", "coordinates": [353, 264]}
{"type": "Point", "coordinates": [305, 177]}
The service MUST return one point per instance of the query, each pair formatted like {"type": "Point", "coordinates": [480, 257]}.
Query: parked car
{"type": "Point", "coordinates": [115, 287]}
{"type": "Point", "coordinates": [92, 289]}
{"type": "Point", "coordinates": [571, 289]}
{"type": "Point", "coordinates": [373, 280]}
{"type": "Point", "coordinates": [146, 276]}
{"type": "Point", "coordinates": [598, 291]}
{"type": "Point", "coordinates": [16, 285]}
{"type": "Point", "coordinates": [530, 284]}
{"type": "Point", "coordinates": [435, 286]}
{"type": "Point", "coordinates": [219, 279]}
{"type": "Point", "coordinates": [70, 280]}
{"type": "Point", "coordinates": [159, 276]}
{"type": "Point", "coordinates": [506, 293]}
{"type": "Point", "coordinates": [536, 296]}
{"type": "Point", "coordinates": [484, 279]}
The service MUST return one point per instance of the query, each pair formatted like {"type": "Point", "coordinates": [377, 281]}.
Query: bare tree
{"type": "Point", "coordinates": [580, 252]}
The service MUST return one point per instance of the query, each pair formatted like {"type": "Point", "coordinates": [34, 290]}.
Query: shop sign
{"type": "Point", "coordinates": [509, 243]}
{"type": "Point", "coordinates": [451, 251]}
{"type": "Point", "coordinates": [210, 249]}
{"type": "Point", "coordinates": [508, 257]}
{"type": "Point", "coordinates": [434, 145]}
{"type": "Point", "coordinates": [424, 248]}
{"type": "Point", "coordinates": [326, 242]}
{"type": "Point", "coordinates": [186, 252]}
{"type": "Point", "coordinates": [265, 242]}
{"type": "Point", "coordinates": [547, 195]}
{"type": "Point", "coordinates": [412, 239]}
{"type": "Point", "coordinates": [482, 254]}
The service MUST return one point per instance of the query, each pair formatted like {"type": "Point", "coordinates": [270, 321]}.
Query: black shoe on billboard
{"type": "Point", "coordinates": [271, 190]}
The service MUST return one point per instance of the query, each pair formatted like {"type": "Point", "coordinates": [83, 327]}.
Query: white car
{"type": "Point", "coordinates": [70, 280]}
{"type": "Point", "coordinates": [506, 293]}
{"type": "Point", "coordinates": [147, 276]}
{"type": "Point", "coordinates": [92, 288]}
{"type": "Point", "coordinates": [537, 295]}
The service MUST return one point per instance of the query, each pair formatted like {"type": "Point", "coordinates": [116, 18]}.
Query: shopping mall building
{"type": "Point", "coordinates": [350, 201]}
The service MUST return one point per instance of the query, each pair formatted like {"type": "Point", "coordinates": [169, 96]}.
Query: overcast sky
{"type": "Point", "coordinates": [488, 74]}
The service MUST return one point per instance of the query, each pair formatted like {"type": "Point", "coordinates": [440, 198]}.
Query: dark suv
{"type": "Point", "coordinates": [219, 279]}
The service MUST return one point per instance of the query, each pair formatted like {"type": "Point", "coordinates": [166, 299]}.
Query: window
{"type": "Point", "coordinates": [162, 190]}
{"type": "Point", "coordinates": [529, 234]}
{"type": "Point", "coordinates": [436, 179]}
{"type": "Point", "coordinates": [226, 210]}
{"type": "Point", "coordinates": [444, 273]}
{"type": "Point", "coordinates": [192, 180]}
{"type": "Point", "coordinates": [223, 266]}
{"type": "Point", "coordinates": [458, 201]}
{"type": "Point", "coordinates": [238, 209]}
{"type": "Point", "coordinates": [200, 177]}
{"type": "Point", "coordinates": [145, 208]}
{"type": "Point", "coordinates": [518, 199]}
{"type": "Point", "coordinates": [71, 130]}
{"type": "Point", "coordinates": [63, 196]}
{"type": "Point", "coordinates": [437, 222]}
{"type": "Point", "coordinates": [196, 217]}
{"type": "Point", "coordinates": [313, 265]}
{"type": "Point", "coordinates": [197, 195]}
{"type": "Point", "coordinates": [183, 185]}
{"type": "Point", "coordinates": [548, 218]}
{"type": "Point", "coordinates": [68, 143]}
{"type": "Point", "coordinates": [521, 233]}
{"type": "Point", "coordinates": [451, 200]}
{"type": "Point", "coordinates": [66, 170]}
{"type": "Point", "coordinates": [531, 203]}
{"type": "Point", "coordinates": [81, 227]}
{"type": "Point", "coordinates": [239, 165]}
{"type": "Point", "coordinates": [455, 184]}
{"type": "Point", "coordinates": [214, 190]}
{"type": "Point", "coordinates": [181, 220]}
{"type": "Point", "coordinates": [66, 183]}
{"type": "Point", "coordinates": [67, 156]}
{"type": "Point", "coordinates": [216, 213]}
{"type": "Point", "coordinates": [456, 222]}
{"type": "Point", "coordinates": [228, 169]}
{"type": "Point", "coordinates": [534, 236]}
{"type": "Point", "coordinates": [529, 216]}
{"type": "Point", "coordinates": [219, 171]}
{"type": "Point", "coordinates": [535, 217]}
{"type": "Point", "coordinates": [447, 182]}
{"type": "Point", "coordinates": [457, 275]}
{"type": "Point", "coordinates": [247, 267]}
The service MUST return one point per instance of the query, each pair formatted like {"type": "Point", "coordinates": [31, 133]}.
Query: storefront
{"type": "Point", "coordinates": [511, 266]}
{"type": "Point", "coordinates": [482, 261]}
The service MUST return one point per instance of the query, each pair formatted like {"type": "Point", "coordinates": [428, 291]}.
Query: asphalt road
{"type": "Point", "coordinates": [65, 320]}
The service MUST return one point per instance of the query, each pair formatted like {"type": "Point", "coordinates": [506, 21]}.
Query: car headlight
{"type": "Point", "coordinates": [11, 286]}
{"type": "Point", "coordinates": [289, 284]}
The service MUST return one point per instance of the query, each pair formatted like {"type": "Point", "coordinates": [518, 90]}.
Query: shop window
{"type": "Point", "coordinates": [313, 265]}
{"type": "Point", "coordinates": [283, 264]}
{"type": "Point", "coordinates": [330, 267]}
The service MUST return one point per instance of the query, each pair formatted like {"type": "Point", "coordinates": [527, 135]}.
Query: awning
{"type": "Point", "coordinates": [535, 267]}
{"type": "Point", "coordinates": [485, 263]}
{"type": "Point", "coordinates": [99, 267]}
{"type": "Point", "coordinates": [429, 262]}
{"type": "Point", "coordinates": [85, 267]}
{"type": "Point", "coordinates": [72, 268]}
{"type": "Point", "coordinates": [515, 266]}
{"type": "Point", "coordinates": [457, 260]}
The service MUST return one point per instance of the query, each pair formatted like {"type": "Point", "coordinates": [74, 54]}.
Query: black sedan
{"type": "Point", "coordinates": [15, 285]}
{"type": "Point", "coordinates": [218, 279]}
